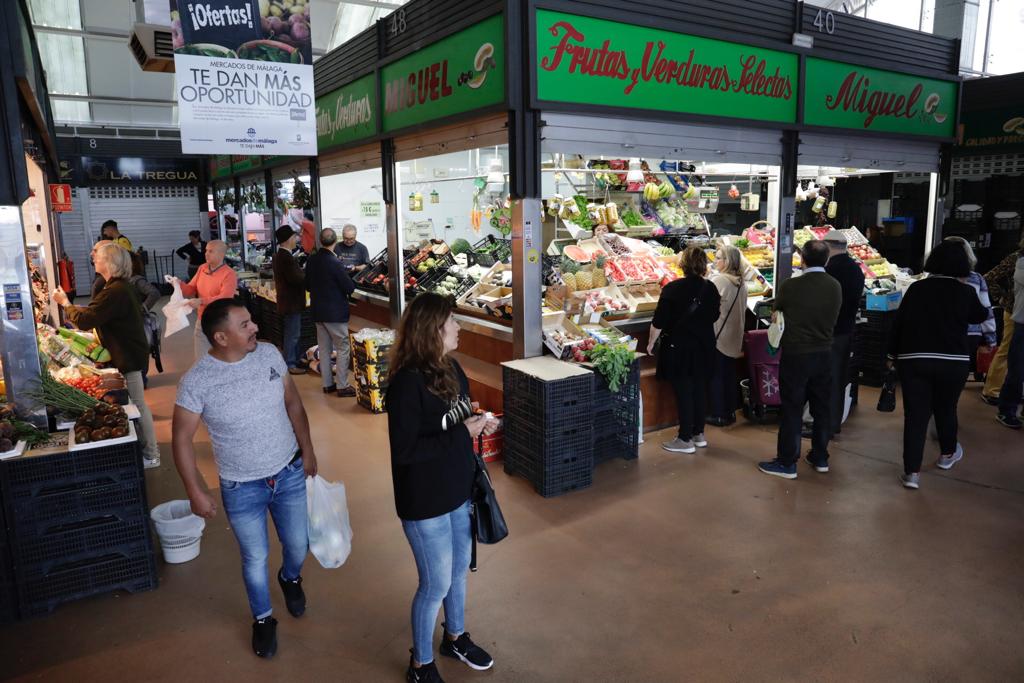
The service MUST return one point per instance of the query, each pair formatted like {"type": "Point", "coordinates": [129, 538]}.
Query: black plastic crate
{"type": "Point", "coordinates": [544, 406]}
{"type": "Point", "coordinates": [619, 419]}
{"type": "Point", "coordinates": [62, 543]}
{"type": "Point", "coordinates": [625, 444]}
{"type": "Point", "coordinates": [42, 592]}
{"type": "Point", "coordinates": [565, 472]}
{"type": "Point", "coordinates": [33, 512]}
{"type": "Point", "coordinates": [550, 444]}
{"type": "Point", "coordinates": [30, 475]}
{"type": "Point", "coordinates": [628, 393]}
{"type": "Point", "coordinates": [498, 250]}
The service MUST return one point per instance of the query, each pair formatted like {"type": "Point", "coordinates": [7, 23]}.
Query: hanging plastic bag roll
{"type": "Point", "coordinates": [330, 534]}
{"type": "Point", "coordinates": [176, 310]}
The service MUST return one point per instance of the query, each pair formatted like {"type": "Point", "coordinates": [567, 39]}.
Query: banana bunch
{"type": "Point", "coordinates": [656, 191]}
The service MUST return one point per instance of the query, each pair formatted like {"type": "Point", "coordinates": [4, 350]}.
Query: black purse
{"type": "Point", "coordinates": [488, 523]}
{"type": "Point", "coordinates": [887, 399]}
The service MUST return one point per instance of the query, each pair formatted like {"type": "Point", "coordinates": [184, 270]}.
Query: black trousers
{"type": "Point", "coordinates": [930, 387]}
{"type": "Point", "coordinates": [723, 387]}
{"type": "Point", "coordinates": [840, 378]}
{"type": "Point", "coordinates": [805, 378]}
{"type": "Point", "coordinates": [690, 402]}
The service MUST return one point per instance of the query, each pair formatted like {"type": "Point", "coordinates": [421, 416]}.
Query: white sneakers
{"type": "Point", "coordinates": [699, 441]}
{"type": "Point", "coordinates": [677, 445]}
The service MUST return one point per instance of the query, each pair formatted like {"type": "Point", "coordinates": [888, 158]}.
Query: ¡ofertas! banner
{"type": "Point", "coordinates": [244, 76]}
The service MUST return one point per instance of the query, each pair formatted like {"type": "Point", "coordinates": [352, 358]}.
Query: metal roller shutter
{"type": "Point", "coordinates": [75, 239]}
{"type": "Point", "coordinates": [985, 165]}
{"type": "Point", "coordinates": [155, 217]}
{"type": "Point", "coordinates": [818, 149]}
{"type": "Point", "coordinates": [591, 135]}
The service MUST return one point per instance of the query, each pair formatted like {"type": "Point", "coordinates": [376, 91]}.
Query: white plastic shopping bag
{"type": "Point", "coordinates": [776, 329]}
{"type": "Point", "coordinates": [330, 535]}
{"type": "Point", "coordinates": [176, 310]}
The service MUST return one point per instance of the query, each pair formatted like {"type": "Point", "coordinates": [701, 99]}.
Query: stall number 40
{"type": "Point", "coordinates": [398, 24]}
{"type": "Point", "coordinates": [825, 22]}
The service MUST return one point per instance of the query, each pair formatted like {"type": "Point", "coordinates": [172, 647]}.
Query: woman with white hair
{"type": "Point", "coordinates": [116, 315]}
{"type": "Point", "coordinates": [985, 333]}
{"type": "Point", "coordinates": [729, 328]}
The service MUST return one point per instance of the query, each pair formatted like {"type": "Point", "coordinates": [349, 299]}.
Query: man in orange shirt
{"type": "Point", "coordinates": [215, 280]}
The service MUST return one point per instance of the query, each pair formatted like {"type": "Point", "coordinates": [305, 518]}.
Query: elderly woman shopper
{"type": "Point", "coordinates": [215, 280]}
{"type": "Point", "coordinates": [929, 347]}
{"type": "Point", "coordinates": [732, 291]}
{"type": "Point", "coordinates": [116, 315]}
{"type": "Point", "coordinates": [985, 333]}
{"type": "Point", "coordinates": [431, 428]}
{"type": "Point", "coordinates": [684, 323]}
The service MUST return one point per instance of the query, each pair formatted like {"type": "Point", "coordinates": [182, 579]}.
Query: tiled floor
{"type": "Point", "coordinates": [669, 568]}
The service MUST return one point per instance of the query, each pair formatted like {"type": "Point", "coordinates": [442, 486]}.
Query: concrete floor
{"type": "Point", "coordinates": [669, 568]}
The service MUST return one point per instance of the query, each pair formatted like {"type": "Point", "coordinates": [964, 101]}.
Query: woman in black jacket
{"type": "Point", "coordinates": [929, 346]}
{"type": "Point", "coordinates": [431, 427]}
{"type": "Point", "coordinates": [684, 320]}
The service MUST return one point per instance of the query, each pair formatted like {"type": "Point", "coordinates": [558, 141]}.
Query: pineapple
{"type": "Point", "coordinates": [585, 279]}
{"type": "Point", "coordinates": [600, 279]}
{"type": "Point", "coordinates": [569, 271]}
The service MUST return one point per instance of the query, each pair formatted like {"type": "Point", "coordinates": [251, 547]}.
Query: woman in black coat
{"type": "Point", "coordinates": [684, 322]}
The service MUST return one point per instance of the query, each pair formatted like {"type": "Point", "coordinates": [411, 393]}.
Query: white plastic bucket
{"type": "Point", "coordinates": [180, 532]}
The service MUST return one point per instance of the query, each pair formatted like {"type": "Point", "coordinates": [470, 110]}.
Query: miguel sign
{"type": "Point", "coordinates": [848, 96]}
{"type": "Point", "coordinates": [347, 114]}
{"type": "Point", "coordinates": [463, 72]}
{"type": "Point", "coordinates": [593, 61]}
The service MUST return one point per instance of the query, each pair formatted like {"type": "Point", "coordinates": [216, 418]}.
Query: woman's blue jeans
{"type": "Point", "coordinates": [246, 505]}
{"type": "Point", "coordinates": [442, 547]}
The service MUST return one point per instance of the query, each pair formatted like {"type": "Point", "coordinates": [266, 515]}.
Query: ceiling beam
{"type": "Point", "coordinates": [106, 99]}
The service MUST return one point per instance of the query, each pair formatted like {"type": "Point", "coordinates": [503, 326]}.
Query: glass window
{"type": "Point", "coordinates": [70, 111]}
{"type": "Point", "coordinates": [1007, 26]}
{"type": "Point", "coordinates": [56, 13]}
{"type": "Point", "coordinates": [905, 13]}
{"type": "Point", "coordinates": [63, 59]}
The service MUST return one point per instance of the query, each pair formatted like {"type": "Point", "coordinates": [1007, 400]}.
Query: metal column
{"type": "Point", "coordinates": [389, 188]}
{"type": "Point", "coordinates": [18, 346]}
{"type": "Point", "coordinates": [787, 209]}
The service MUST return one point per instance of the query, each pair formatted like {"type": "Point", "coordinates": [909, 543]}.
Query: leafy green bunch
{"type": "Point", "coordinates": [613, 361]}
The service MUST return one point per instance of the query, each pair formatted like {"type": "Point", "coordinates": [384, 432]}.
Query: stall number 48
{"type": "Point", "coordinates": [825, 22]}
{"type": "Point", "coordinates": [398, 24]}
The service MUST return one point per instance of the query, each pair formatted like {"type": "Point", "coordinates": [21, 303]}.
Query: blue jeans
{"type": "Point", "coordinates": [291, 330]}
{"type": "Point", "coordinates": [1010, 394]}
{"type": "Point", "coordinates": [246, 505]}
{"type": "Point", "coordinates": [442, 547]}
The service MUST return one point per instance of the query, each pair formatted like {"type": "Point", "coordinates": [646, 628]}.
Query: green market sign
{"type": "Point", "coordinates": [461, 73]}
{"type": "Point", "coordinates": [347, 114]}
{"type": "Point", "coordinates": [220, 166]}
{"type": "Point", "coordinates": [593, 61]}
{"type": "Point", "coordinates": [842, 95]}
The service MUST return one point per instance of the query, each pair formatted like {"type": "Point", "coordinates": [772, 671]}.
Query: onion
{"type": "Point", "coordinates": [300, 32]}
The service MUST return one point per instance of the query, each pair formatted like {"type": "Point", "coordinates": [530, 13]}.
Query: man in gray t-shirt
{"type": "Point", "coordinates": [259, 431]}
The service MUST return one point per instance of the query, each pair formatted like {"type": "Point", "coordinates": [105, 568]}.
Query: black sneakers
{"type": "Point", "coordinates": [425, 674]}
{"type": "Point", "coordinates": [469, 652]}
{"type": "Point", "coordinates": [294, 596]}
{"type": "Point", "coordinates": [264, 637]}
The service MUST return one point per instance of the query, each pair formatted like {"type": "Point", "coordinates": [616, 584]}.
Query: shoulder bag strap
{"type": "Point", "coordinates": [734, 299]}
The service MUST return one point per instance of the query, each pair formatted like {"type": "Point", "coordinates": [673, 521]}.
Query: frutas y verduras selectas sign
{"type": "Point", "coordinates": [347, 114]}
{"type": "Point", "coordinates": [993, 128]}
{"type": "Point", "coordinates": [463, 72]}
{"type": "Point", "coordinates": [244, 78]}
{"type": "Point", "coordinates": [594, 61]}
{"type": "Point", "coordinates": [849, 96]}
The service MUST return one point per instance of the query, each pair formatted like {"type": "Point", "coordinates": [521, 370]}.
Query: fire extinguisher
{"type": "Point", "coordinates": [66, 273]}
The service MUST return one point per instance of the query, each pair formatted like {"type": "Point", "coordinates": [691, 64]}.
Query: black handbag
{"type": "Point", "coordinates": [488, 523]}
{"type": "Point", "coordinates": [887, 399]}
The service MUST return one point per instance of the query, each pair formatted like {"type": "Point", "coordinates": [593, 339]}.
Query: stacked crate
{"type": "Point", "coordinates": [870, 346]}
{"type": "Point", "coordinates": [8, 595]}
{"type": "Point", "coordinates": [617, 417]}
{"type": "Point", "coordinates": [78, 525]}
{"type": "Point", "coordinates": [549, 424]}
{"type": "Point", "coordinates": [272, 325]}
{"type": "Point", "coordinates": [370, 368]}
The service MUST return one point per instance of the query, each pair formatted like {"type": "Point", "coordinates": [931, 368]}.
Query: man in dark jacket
{"type": "Point", "coordinates": [810, 304]}
{"type": "Point", "coordinates": [290, 285]}
{"type": "Point", "coordinates": [851, 278]}
{"type": "Point", "coordinates": [329, 287]}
